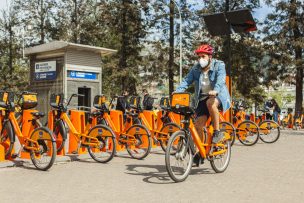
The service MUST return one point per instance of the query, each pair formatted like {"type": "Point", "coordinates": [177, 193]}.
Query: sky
{"type": "Point", "coordinates": [260, 13]}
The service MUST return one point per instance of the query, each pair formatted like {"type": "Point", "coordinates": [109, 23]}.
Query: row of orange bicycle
{"type": "Point", "coordinates": [108, 131]}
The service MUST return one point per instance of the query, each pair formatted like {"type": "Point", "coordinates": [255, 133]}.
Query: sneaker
{"type": "Point", "coordinates": [217, 136]}
{"type": "Point", "coordinates": [197, 160]}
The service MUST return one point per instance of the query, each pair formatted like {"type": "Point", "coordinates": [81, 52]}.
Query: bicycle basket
{"type": "Point", "coordinates": [135, 102]}
{"type": "Point", "coordinates": [180, 103]}
{"type": "Point", "coordinates": [28, 101]}
{"type": "Point", "coordinates": [56, 100]}
{"type": "Point", "coordinates": [99, 101]}
{"type": "Point", "coordinates": [180, 100]}
{"type": "Point", "coordinates": [164, 103]}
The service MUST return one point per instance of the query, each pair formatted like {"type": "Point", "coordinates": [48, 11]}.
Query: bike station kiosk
{"type": "Point", "coordinates": [68, 68]}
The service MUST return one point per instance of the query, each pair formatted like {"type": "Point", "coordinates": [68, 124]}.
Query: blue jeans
{"type": "Point", "coordinates": [275, 116]}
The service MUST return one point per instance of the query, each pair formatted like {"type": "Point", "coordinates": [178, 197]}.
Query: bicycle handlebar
{"type": "Point", "coordinates": [74, 95]}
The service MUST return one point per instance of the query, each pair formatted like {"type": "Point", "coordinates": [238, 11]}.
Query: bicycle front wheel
{"type": "Point", "coordinates": [221, 155]}
{"type": "Point", "coordinates": [44, 157]}
{"type": "Point", "coordinates": [248, 133]}
{"type": "Point", "coordinates": [138, 141]}
{"type": "Point", "coordinates": [179, 158]}
{"type": "Point", "coordinates": [105, 150]}
{"type": "Point", "coordinates": [269, 131]}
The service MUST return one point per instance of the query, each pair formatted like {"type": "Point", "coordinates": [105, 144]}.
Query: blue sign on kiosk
{"type": "Point", "coordinates": [82, 75]}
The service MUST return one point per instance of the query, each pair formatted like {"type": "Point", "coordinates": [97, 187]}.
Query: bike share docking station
{"type": "Point", "coordinates": [68, 68]}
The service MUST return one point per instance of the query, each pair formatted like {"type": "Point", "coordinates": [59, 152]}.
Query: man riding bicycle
{"type": "Point", "coordinates": [209, 76]}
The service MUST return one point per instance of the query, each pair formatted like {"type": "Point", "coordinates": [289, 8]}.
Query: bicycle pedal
{"type": "Point", "coordinates": [74, 152]}
{"type": "Point", "coordinates": [13, 156]}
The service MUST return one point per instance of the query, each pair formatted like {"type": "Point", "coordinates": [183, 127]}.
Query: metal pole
{"type": "Point", "coordinates": [23, 43]}
{"type": "Point", "coordinates": [180, 43]}
{"type": "Point", "coordinates": [228, 52]}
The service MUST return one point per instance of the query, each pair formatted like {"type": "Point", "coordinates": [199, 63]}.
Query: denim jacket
{"type": "Point", "coordinates": [217, 77]}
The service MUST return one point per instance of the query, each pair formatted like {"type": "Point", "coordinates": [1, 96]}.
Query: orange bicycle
{"type": "Point", "coordinates": [101, 146]}
{"type": "Point", "coordinates": [134, 137]}
{"type": "Point", "coordinates": [38, 141]}
{"type": "Point", "coordinates": [166, 123]}
{"type": "Point", "coordinates": [183, 143]}
{"type": "Point", "coordinates": [247, 131]}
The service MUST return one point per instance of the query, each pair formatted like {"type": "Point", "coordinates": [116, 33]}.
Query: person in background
{"type": "Point", "coordinates": [269, 107]}
{"type": "Point", "coordinates": [123, 103]}
{"type": "Point", "coordinates": [147, 101]}
{"type": "Point", "coordinates": [276, 110]}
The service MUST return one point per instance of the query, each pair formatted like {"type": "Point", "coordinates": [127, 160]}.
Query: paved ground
{"type": "Point", "coordinates": [262, 173]}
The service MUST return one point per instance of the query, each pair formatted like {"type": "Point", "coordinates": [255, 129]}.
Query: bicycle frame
{"type": "Point", "coordinates": [203, 146]}
{"type": "Point", "coordinates": [79, 136]}
{"type": "Point", "coordinates": [23, 135]}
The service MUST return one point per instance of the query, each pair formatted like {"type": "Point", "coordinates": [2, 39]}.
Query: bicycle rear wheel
{"type": "Point", "coordinates": [167, 130]}
{"type": "Point", "coordinates": [7, 138]}
{"type": "Point", "coordinates": [269, 131]}
{"type": "Point", "coordinates": [106, 148]}
{"type": "Point", "coordinates": [220, 162]}
{"type": "Point", "coordinates": [138, 141]}
{"type": "Point", "coordinates": [44, 158]}
{"type": "Point", "coordinates": [179, 158]}
{"type": "Point", "coordinates": [248, 133]}
{"type": "Point", "coordinates": [228, 128]}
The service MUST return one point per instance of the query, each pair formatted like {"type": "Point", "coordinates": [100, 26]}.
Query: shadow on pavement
{"type": "Point", "coordinates": [157, 174]}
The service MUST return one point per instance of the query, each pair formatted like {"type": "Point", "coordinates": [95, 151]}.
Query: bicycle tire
{"type": "Point", "coordinates": [231, 131]}
{"type": "Point", "coordinates": [45, 140]}
{"type": "Point", "coordinates": [248, 125]}
{"type": "Point", "coordinates": [213, 159]}
{"type": "Point", "coordinates": [140, 130]}
{"type": "Point", "coordinates": [163, 144]}
{"type": "Point", "coordinates": [262, 128]}
{"type": "Point", "coordinates": [180, 153]}
{"type": "Point", "coordinates": [7, 138]}
{"type": "Point", "coordinates": [107, 138]}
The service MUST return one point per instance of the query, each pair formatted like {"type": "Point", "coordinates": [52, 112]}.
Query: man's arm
{"type": "Point", "coordinates": [221, 78]}
{"type": "Point", "coordinates": [187, 81]}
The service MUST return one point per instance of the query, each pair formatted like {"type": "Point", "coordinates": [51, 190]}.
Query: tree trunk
{"type": "Point", "coordinates": [75, 21]}
{"type": "Point", "coordinates": [171, 49]}
{"type": "Point", "coordinates": [123, 51]}
{"type": "Point", "coordinates": [10, 60]}
{"type": "Point", "coordinates": [42, 18]}
{"type": "Point", "coordinates": [298, 58]}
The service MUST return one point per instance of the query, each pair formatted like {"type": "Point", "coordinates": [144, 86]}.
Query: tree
{"type": "Point", "coordinates": [13, 70]}
{"type": "Point", "coordinates": [284, 32]}
{"type": "Point", "coordinates": [39, 15]}
{"type": "Point", "coordinates": [125, 20]}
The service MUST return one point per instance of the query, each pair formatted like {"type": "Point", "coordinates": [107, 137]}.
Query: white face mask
{"type": "Point", "coordinates": [203, 62]}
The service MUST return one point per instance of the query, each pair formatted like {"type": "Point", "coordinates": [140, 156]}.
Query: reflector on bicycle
{"type": "Point", "coordinates": [99, 101]}
{"type": "Point", "coordinates": [28, 101]}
